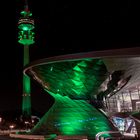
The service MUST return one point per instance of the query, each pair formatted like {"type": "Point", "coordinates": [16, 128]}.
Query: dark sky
{"type": "Point", "coordinates": [61, 27]}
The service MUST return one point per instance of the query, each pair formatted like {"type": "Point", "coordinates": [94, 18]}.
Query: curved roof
{"type": "Point", "coordinates": [81, 75]}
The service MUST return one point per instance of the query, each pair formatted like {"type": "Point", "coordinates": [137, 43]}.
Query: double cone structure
{"type": "Point", "coordinates": [73, 84]}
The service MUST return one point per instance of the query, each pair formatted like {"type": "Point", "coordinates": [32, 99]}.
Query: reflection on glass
{"type": "Point", "coordinates": [123, 101]}
{"type": "Point", "coordinates": [134, 95]}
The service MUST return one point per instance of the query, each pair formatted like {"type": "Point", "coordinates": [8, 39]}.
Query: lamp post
{"type": "Point", "coordinates": [26, 123]}
{"type": "Point", "coordinates": [11, 127]}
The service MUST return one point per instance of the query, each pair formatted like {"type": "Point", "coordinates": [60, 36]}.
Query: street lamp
{"type": "Point", "coordinates": [11, 127]}
{"type": "Point", "coordinates": [26, 123]}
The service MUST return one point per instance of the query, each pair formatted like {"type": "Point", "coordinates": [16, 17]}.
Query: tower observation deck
{"type": "Point", "coordinates": [26, 38]}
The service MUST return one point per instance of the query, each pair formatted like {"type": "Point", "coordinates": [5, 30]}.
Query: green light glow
{"type": "Point", "coordinates": [26, 38]}
{"type": "Point", "coordinates": [72, 84]}
{"type": "Point", "coordinates": [26, 41]}
{"type": "Point", "coordinates": [72, 117]}
{"type": "Point", "coordinates": [75, 79]}
{"type": "Point", "coordinates": [26, 103]}
{"type": "Point", "coordinates": [24, 13]}
{"type": "Point", "coordinates": [26, 81]}
{"type": "Point", "coordinates": [26, 35]}
{"type": "Point", "coordinates": [25, 27]}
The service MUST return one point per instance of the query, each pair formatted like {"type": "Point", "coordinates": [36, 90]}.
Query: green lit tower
{"type": "Point", "coordinates": [26, 38]}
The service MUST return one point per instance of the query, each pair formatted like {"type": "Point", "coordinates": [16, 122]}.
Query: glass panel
{"type": "Point", "coordinates": [135, 95]}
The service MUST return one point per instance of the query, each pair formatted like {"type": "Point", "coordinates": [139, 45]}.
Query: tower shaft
{"type": "Point", "coordinates": [26, 101]}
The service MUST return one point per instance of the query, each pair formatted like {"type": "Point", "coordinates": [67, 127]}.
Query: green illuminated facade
{"type": "Point", "coordinates": [73, 84]}
{"type": "Point", "coordinates": [26, 38]}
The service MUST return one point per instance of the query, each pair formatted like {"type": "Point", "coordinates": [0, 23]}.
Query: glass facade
{"type": "Point", "coordinates": [127, 101]}
{"type": "Point", "coordinates": [120, 106]}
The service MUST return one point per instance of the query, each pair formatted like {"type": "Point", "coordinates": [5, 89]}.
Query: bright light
{"type": "Point", "coordinates": [0, 119]}
{"type": "Point", "coordinates": [26, 122]}
{"type": "Point", "coordinates": [118, 105]}
{"type": "Point", "coordinates": [25, 28]}
{"type": "Point", "coordinates": [11, 126]}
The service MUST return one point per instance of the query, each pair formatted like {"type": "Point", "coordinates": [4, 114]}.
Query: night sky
{"type": "Point", "coordinates": [62, 27]}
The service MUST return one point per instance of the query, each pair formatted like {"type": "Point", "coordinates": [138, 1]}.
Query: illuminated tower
{"type": "Point", "coordinates": [26, 38]}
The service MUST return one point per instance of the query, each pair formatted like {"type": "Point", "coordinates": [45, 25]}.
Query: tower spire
{"type": "Point", "coordinates": [26, 7]}
{"type": "Point", "coordinates": [26, 12]}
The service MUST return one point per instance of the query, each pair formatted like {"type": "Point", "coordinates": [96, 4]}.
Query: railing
{"type": "Point", "coordinates": [97, 137]}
